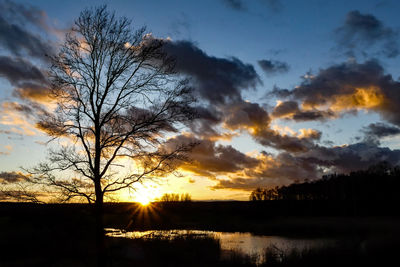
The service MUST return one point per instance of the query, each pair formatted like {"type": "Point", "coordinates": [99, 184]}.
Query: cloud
{"type": "Point", "coordinates": [346, 158]}
{"type": "Point", "coordinates": [17, 69]}
{"type": "Point", "coordinates": [235, 4]}
{"type": "Point", "coordinates": [220, 83]}
{"type": "Point", "coordinates": [296, 143]}
{"type": "Point", "coordinates": [363, 31]}
{"type": "Point", "coordinates": [18, 117]}
{"type": "Point", "coordinates": [210, 159]}
{"type": "Point", "coordinates": [217, 80]}
{"type": "Point", "coordinates": [12, 177]}
{"type": "Point", "coordinates": [207, 120]}
{"type": "Point", "coordinates": [17, 38]}
{"type": "Point", "coordinates": [286, 168]}
{"type": "Point", "coordinates": [290, 110]}
{"type": "Point", "coordinates": [380, 129]}
{"type": "Point", "coordinates": [22, 14]}
{"type": "Point", "coordinates": [22, 28]}
{"type": "Point", "coordinates": [252, 118]}
{"type": "Point", "coordinates": [375, 131]}
{"type": "Point", "coordinates": [29, 81]}
{"type": "Point", "coordinates": [271, 67]}
{"type": "Point", "coordinates": [348, 87]}
{"type": "Point", "coordinates": [245, 115]}
{"type": "Point", "coordinates": [33, 92]}
{"type": "Point", "coordinates": [239, 5]}
{"type": "Point", "coordinates": [213, 160]}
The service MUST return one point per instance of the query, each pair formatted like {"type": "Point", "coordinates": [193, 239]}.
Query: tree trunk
{"type": "Point", "coordinates": [101, 256]}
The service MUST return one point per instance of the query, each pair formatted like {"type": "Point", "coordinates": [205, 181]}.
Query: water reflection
{"type": "Point", "coordinates": [247, 243]}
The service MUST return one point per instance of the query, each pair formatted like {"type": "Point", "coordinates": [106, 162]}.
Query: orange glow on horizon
{"type": "Point", "coordinates": [144, 200]}
{"type": "Point", "coordinates": [143, 193]}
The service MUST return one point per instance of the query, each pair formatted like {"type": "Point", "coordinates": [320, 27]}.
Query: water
{"type": "Point", "coordinates": [250, 244]}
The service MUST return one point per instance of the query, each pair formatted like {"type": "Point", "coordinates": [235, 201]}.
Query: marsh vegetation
{"type": "Point", "coordinates": [63, 235]}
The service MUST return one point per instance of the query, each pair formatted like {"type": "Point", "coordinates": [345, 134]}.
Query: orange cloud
{"type": "Point", "coordinates": [344, 88]}
{"type": "Point", "coordinates": [370, 97]}
{"type": "Point", "coordinates": [13, 115]}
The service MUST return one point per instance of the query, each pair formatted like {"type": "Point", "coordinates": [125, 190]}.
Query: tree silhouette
{"type": "Point", "coordinates": [174, 197]}
{"type": "Point", "coordinates": [378, 182]}
{"type": "Point", "coordinates": [117, 95]}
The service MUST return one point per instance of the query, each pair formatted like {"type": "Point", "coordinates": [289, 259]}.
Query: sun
{"type": "Point", "coordinates": [142, 193]}
{"type": "Point", "coordinates": [143, 200]}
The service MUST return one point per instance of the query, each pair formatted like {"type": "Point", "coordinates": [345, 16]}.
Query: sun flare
{"type": "Point", "coordinates": [143, 200]}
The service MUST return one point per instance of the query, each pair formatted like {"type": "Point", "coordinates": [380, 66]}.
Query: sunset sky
{"type": "Point", "coordinates": [287, 90]}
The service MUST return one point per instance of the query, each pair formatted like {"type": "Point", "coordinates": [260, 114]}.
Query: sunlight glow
{"type": "Point", "coordinates": [143, 200]}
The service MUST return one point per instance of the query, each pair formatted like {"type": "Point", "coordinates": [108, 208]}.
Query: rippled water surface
{"type": "Point", "coordinates": [244, 242]}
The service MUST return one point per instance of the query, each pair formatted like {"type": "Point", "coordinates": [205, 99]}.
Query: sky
{"type": "Point", "coordinates": [288, 90]}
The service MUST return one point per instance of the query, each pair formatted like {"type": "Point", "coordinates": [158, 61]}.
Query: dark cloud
{"type": "Point", "coordinates": [273, 66]}
{"type": "Point", "coordinates": [290, 110]}
{"type": "Point", "coordinates": [336, 80]}
{"type": "Point", "coordinates": [249, 184]}
{"type": "Point", "coordinates": [235, 4]}
{"type": "Point", "coordinates": [239, 5]}
{"type": "Point", "coordinates": [349, 87]}
{"type": "Point", "coordinates": [29, 81]}
{"type": "Point", "coordinates": [286, 168]}
{"type": "Point", "coordinates": [21, 29]}
{"type": "Point", "coordinates": [217, 79]}
{"type": "Point", "coordinates": [256, 121]}
{"type": "Point", "coordinates": [279, 92]}
{"type": "Point", "coordinates": [23, 14]}
{"type": "Point", "coordinates": [347, 158]}
{"type": "Point", "coordinates": [295, 144]}
{"type": "Point", "coordinates": [210, 159]}
{"type": "Point", "coordinates": [207, 122]}
{"type": "Point", "coordinates": [312, 115]}
{"type": "Point", "coordinates": [19, 41]}
{"type": "Point", "coordinates": [380, 129]}
{"type": "Point", "coordinates": [252, 118]}
{"type": "Point", "coordinates": [361, 31]}
{"type": "Point", "coordinates": [12, 177]}
{"type": "Point", "coordinates": [375, 131]}
{"type": "Point", "coordinates": [17, 69]}
{"type": "Point", "coordinates": [272, 171]}
{"type": "Point", "coordinates": [285, 108]}
{"type": "Point", "coordinates": [245, 115]}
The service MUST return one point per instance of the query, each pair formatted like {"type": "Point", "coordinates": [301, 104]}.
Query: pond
{"type": "Point", "coordinates": [248, 243]}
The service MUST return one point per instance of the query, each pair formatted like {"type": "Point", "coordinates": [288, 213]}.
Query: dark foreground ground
{"type": "Point", "coordinates": [62, 235]}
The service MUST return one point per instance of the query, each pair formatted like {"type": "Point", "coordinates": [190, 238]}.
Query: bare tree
{"type": "Point", "coordinates": [117, 96]}
{"type": "Point", "coordinates": [173, 197]}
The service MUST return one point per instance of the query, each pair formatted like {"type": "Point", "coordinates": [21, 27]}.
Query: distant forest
{"type": "Point", "coordinates": [379, 182]}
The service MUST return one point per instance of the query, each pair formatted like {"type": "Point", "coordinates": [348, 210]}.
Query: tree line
{"type": "Point", "coordinates": [174, 197]}
{"type": "Point", "coordinates": [378, 182]}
